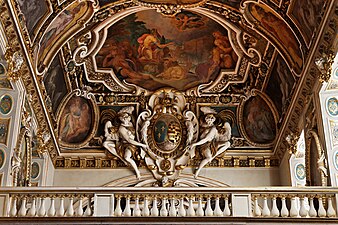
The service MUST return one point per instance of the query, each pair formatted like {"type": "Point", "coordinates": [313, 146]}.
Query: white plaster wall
{"type": "Point", "coordinates": [243, 176]}
{"type": "Point", "coordinates": [230, 176]}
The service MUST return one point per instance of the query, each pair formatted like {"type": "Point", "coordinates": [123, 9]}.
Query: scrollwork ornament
{"type": "Point", "coordinates": [84, 92]}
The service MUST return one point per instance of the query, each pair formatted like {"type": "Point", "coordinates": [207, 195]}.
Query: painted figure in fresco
{"type": "Point", "coordinates": [223, 56]}
{"type": "Point", "coordinates": [149, 46]}
{"type": "Point", "coordinates": [59, 24]}
{"type": "Point", "coordinates": [121, 141]}
{"type": "Point", "coordinates": [307, 14]}
{"type": "Point", "coordinates": [284, 81]}
{"type": "Point", "coordinates": [187, 20]}
{"type": "Point", "coordinates": [259, 121]}
{"type": "Point", "coordinates": [280, 30]}
{"type": "Point", "coordinates": [213, 141]}
{"type": "Point", "coordinates": [124, 68]}
{"type": "Point", "coordinates": [75, 121]}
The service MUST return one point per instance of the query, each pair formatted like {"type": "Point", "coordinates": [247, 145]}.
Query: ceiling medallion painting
{"type": "Point", "coordinates": [146, 51]}
{"type": "Point", "coordinates": [153, 51]}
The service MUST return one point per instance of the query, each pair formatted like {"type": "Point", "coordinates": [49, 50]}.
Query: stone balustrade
{"type": "Point", "coordinates": [169, 202]}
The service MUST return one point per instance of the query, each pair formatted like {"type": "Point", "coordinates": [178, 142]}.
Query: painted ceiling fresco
{"type": "Point", "coordinates": [243, 58]}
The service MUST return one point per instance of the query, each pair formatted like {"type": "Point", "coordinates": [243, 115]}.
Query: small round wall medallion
{"type": "Point", "coordinates": [332, 106]}
{"type": "Point", "coordinates": [300, 171]}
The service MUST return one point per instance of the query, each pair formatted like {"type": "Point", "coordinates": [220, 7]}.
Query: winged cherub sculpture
{"type": "Point", "coordinates": [120, 141]}
{"type": "Point", "coordinates": [213, 139]}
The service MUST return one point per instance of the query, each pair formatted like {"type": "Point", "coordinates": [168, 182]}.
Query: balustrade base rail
{"type": "Point", "coordinates": [147, 204]}
{"type": "Point", "coordinates": [167, 220]}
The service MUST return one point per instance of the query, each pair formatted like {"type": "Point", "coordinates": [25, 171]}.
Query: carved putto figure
{"type": "Point", "coordinates": [120, 141]}
{"type": "Point", "coordinates": [213, 140]}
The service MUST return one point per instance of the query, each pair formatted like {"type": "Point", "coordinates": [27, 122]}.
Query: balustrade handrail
{"type": "Point", "coordinates": [161, 190]}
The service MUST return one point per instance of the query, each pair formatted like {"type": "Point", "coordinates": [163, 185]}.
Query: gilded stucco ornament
{"type": "Point", "coordinates": [292, 140]}
{"type": "Point", "coordinates": [14, 61]}
{"type": "Point", "coordinates": [168, 128]}
{"type": "Point", "coordinates": [324, 65]}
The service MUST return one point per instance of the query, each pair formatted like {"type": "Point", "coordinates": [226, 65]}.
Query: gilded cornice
{"type": "Point", "coordinates": [310, 77]}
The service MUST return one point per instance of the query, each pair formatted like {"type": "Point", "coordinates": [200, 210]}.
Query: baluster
{"type": "Point", "coordinates": [23, 209]}
{"type": "Point", "coordinates": [208, 210]}
{"type": "Point", "coordinates": [284, 210]}
{"type": "Point", "coordinates": [226, 211]}
{"type": "Point", "coordinates": [218, 211]}
{"type": "Point", "coordinates": [257, 210]}
{"type": "Point", "coordinates": [274, 209]}
{"type": "Point", "coordinates": [312, 210]}
{"type": "Point", "coordinates": [137, 210]}
{"type": "Point", "coordinates": [111, 205]}
{"type": "Point", "coordinates": [145, 211]}
{"type": "Point", "coordinates": [13, 210]}
{"type": "Point", "coordinates": [191, 210]}
{"type": "Point", "coordinates": [302, 210]}
{"type": "Point", "coordinates": [172, 210]}
{"type": "Point", "coordinates": [79, 211]}
{"type": "Point", "coordinates": [266, 210]}
{"type": "Point", "coordinates": [330, 210]}
{"type": "Point", "coordinates": [51, 210]}
{"type": "Point", "coordinates": [118, 210]}
{"type": "Point", "coordinates": [181, 209]}
{"type": "Point", "coordinates": [32, 210]}
{"type": "Point", "coordinates": [42, 209]}
{"type": "Point", "coordinates": [70, 209]}
{"type": "Point", "coordinates": [164, 211]}
{"type": "Point", "coordinates": [199, 211]}
{"type": "Point", "coordinates": [294, 208]}
{"type": "Point", "coordinates": [127, 210]}
{"type": "Point", "coordinates": [61, 210]}
{"type": "Point", "coordinates": [321, 209]}
{"type": "Point", "coordinates": [154, 210]}
{"type": "Point", "coordinates": [88, 211]}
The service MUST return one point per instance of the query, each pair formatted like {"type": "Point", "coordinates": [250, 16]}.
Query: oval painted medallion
{"type": "Point", "coordinates": [258, 120]}
{"type": "Point", "coordinates": [6, 103]}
